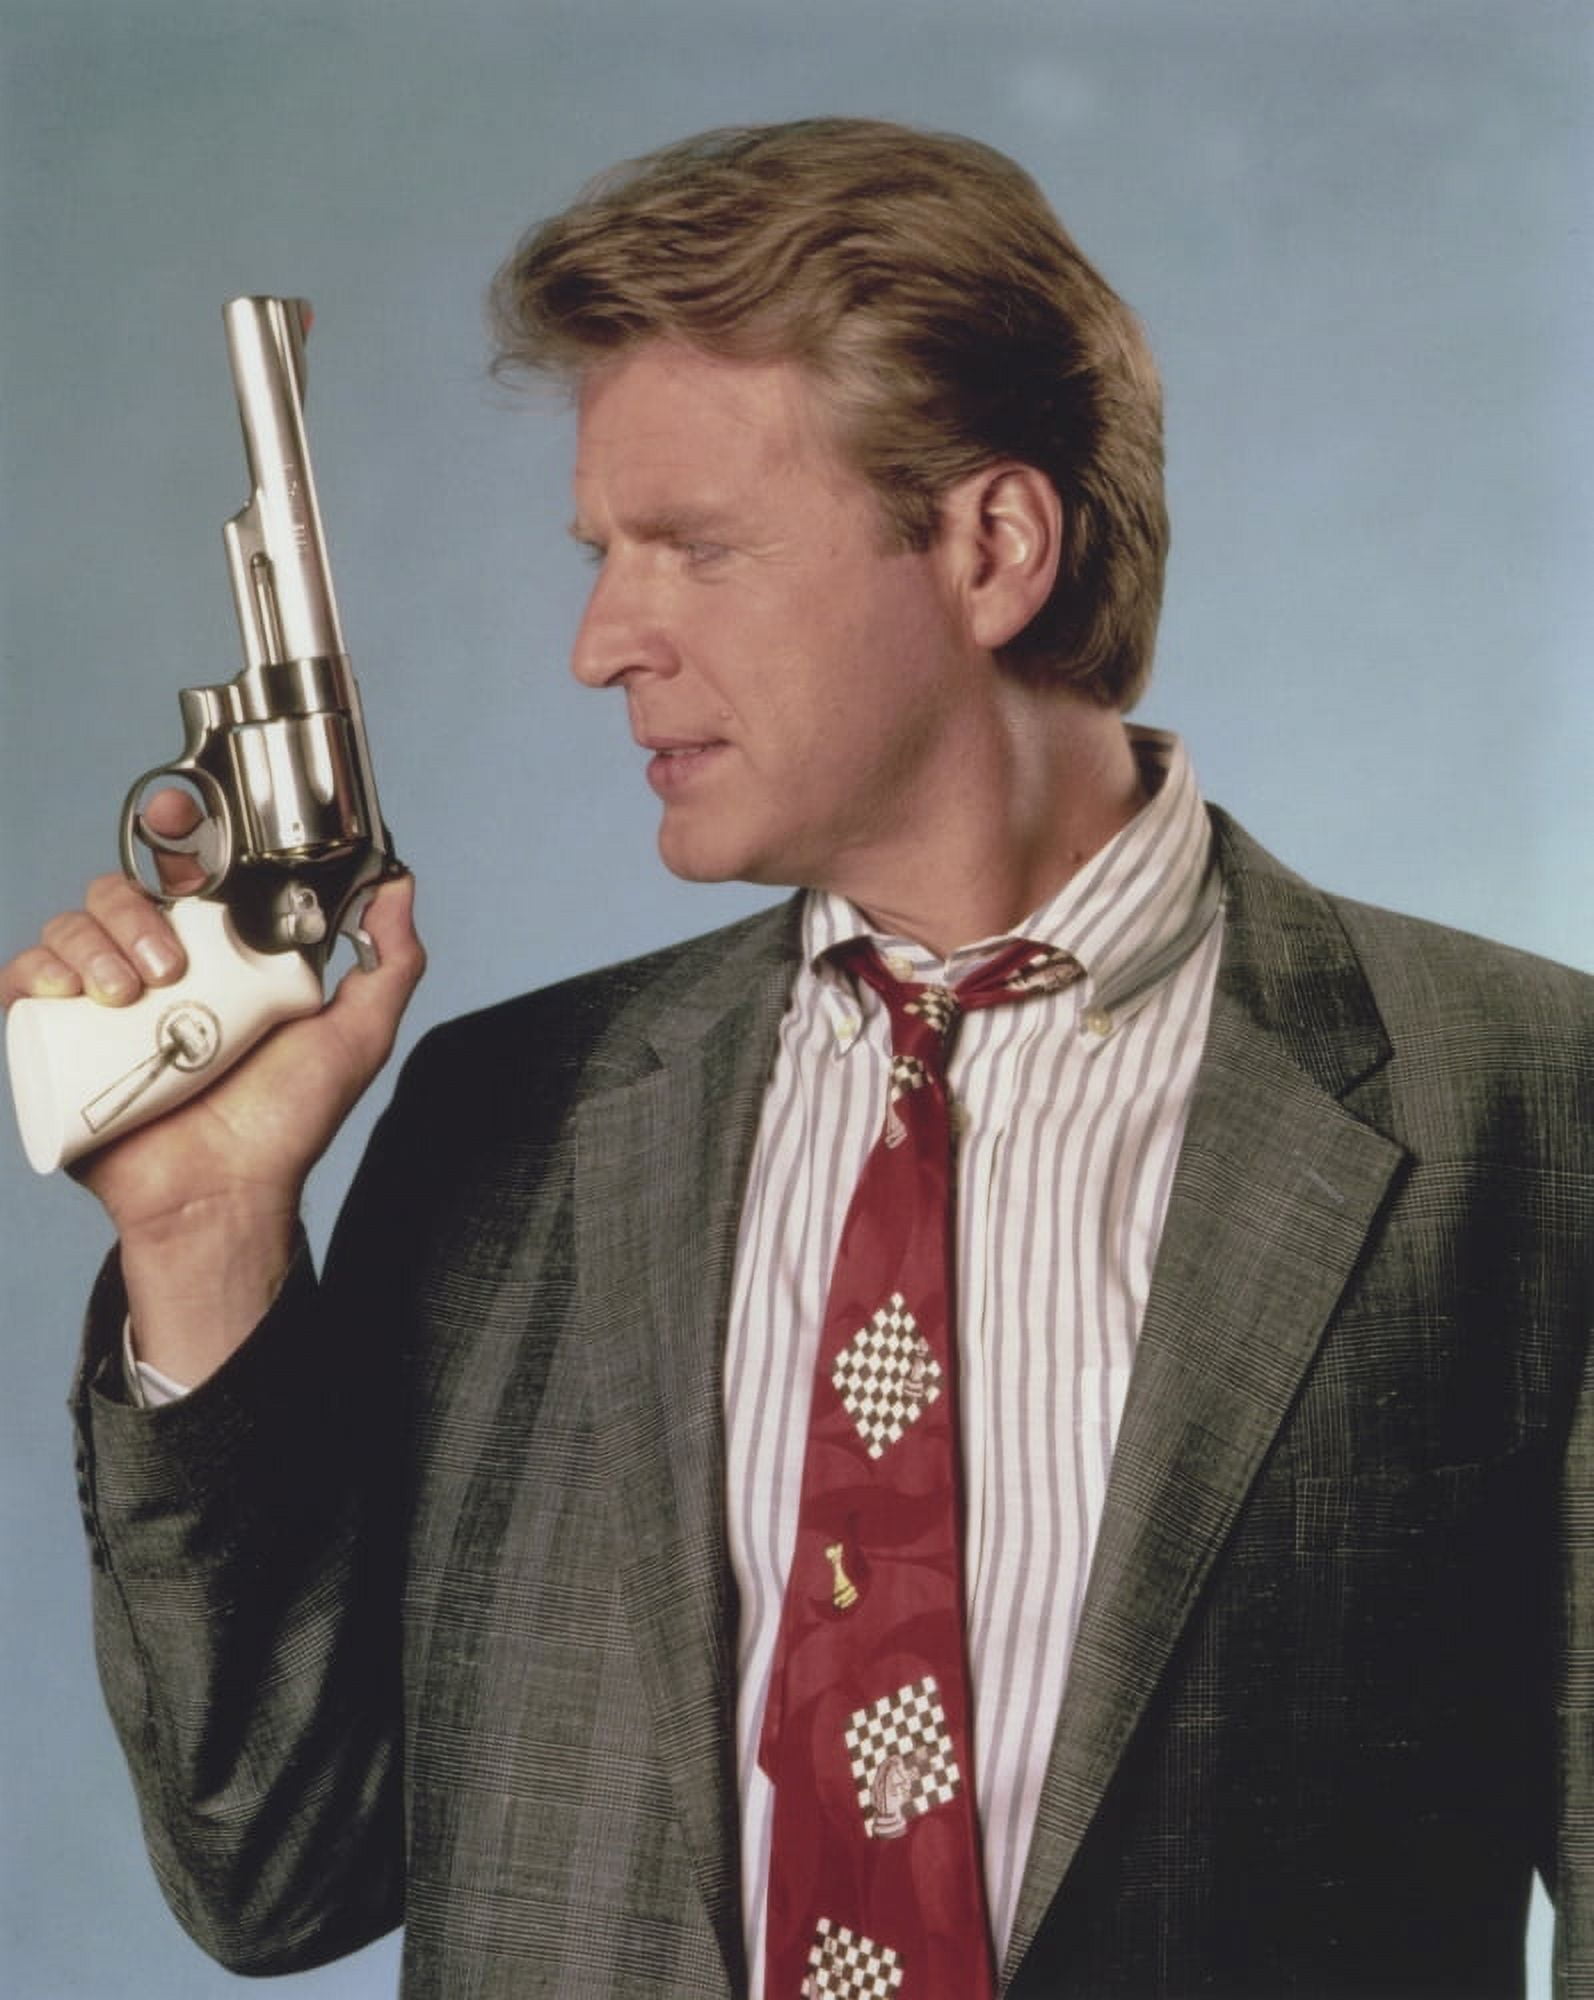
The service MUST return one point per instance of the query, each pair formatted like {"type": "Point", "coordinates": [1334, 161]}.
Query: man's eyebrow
{"type": "Point", "coordinates": [676, 524]}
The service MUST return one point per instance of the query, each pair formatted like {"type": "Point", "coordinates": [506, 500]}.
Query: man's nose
{"type": "Point", "coordinates": [621, 632]}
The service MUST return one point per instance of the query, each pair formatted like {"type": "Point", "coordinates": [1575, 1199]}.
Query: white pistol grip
{"type": "Point", "coordinates": [82, 1073]}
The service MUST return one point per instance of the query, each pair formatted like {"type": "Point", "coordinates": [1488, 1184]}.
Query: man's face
{"type": "Point", "coordinates": [801, 687]}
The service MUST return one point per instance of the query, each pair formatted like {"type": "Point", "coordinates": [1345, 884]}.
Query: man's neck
{"type": "Point", "coordinates": [1022, 827]}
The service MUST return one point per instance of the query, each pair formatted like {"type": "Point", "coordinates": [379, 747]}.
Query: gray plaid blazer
{"type": "Point", "coordinates": [450, 1639]}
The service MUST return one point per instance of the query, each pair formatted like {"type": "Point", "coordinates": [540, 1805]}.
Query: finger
{"type": "Point", "coordinates": [38, 974]}
{"type": "Point", "coordinates": [137, 928]}
{"type": "Point", "coordinates": [171, 813]}
{"type": "Point", "coordinates": [89, 951]}
{"type": "Point", "coordinates": [110, 949]}
{"type": "Point", "coordinates": [164, 816]}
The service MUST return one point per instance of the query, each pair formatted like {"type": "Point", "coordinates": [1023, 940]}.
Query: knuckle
{"type": "Point", "coordinates": [111, 896]}
{"type": "Point", "coordinates": [408, 958]}
{"type": "Point", "coordinates": [69, 932]}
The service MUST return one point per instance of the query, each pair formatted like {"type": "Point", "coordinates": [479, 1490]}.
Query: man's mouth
{"type": "Point", "coordinates": [675, 763]}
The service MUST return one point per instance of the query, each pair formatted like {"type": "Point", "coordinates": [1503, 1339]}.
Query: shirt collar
{"type": "Point", "coordinates": [1131, 915]}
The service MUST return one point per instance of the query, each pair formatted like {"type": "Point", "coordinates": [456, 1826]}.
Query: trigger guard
{"type": "Point", "coordinates": [209, 841]}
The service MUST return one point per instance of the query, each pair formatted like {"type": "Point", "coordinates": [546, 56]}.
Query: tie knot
{"type": "Point", "coordinates": [938, 1007]}
{"type": "Point", "coordinates": [929, 1013]}
{"type": "Point", "coordinates": [1017, 973]}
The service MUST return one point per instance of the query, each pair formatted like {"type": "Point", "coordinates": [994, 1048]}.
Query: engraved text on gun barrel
{"type": "Point", "coordinates": [287, 839]}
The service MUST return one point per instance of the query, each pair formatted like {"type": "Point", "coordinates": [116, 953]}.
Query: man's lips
{"type": "Point", "coordinates": [679, 761]}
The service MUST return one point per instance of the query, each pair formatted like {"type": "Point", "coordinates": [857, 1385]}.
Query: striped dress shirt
{"type": "Point", "coordinates": [1070, 1111]}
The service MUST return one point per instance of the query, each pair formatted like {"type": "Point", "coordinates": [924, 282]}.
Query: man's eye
{"type": "Point", "coordinates": [698, 554]}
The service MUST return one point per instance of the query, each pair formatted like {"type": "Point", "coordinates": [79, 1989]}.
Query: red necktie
{"type": "Point", "coordinates": [876, 1886]}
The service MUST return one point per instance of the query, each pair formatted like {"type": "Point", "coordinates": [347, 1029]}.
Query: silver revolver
{"type": "Point", "coordinates": [288, 838]}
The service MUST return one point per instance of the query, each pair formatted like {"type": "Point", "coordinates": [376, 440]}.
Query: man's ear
{"type": "Point", "coordinates": [1003, 530]}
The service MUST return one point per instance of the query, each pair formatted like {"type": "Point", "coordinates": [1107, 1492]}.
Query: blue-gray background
{"type": "Point", "coordinates": [1358, 231]}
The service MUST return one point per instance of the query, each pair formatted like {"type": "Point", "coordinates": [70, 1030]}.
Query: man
{"type": "Point", "coordinates": [460, 1588]}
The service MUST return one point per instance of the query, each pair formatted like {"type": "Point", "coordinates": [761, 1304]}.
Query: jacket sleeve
{"type": "Point", "coordinates": [246, 1617]}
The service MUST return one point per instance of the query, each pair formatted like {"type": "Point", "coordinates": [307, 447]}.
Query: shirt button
{"type": "Point", "coordinates": [846, 1031]}
{"type": "Point", "coordinates": [1098, 1021]}
{"type": "Point", "coordinates": [958, 1115]}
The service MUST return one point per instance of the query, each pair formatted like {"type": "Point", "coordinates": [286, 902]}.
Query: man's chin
{"type": "Point", "coordinates": [704, 861]}
{"type": "Point", "coordinates": [689, 861]}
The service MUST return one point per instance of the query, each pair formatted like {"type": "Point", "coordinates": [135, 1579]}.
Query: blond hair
{"type": "Point", "coordinates": [924, 283]}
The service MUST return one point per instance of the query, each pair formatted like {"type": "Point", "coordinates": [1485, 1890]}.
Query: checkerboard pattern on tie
{"type": "Point", "coordinates": [875, 1883]}
{"type": "Point", "coordinates": [886, 1376]}
{"type": "Point", "coordinates": [845, 1967]}
{"type": "Point", "coordinates": [902, 1734]}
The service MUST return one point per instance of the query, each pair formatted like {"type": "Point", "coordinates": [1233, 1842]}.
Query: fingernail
{"type": "Point", "coordinates": [157, 959]}
{"type": "Point", "coordinates": [110, 978]}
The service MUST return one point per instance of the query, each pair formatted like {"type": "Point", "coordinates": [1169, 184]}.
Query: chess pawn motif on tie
{"type": "Point", "coordinates": [876, 1886]}
{"type": "Point", "coordinates": [844, 1592]}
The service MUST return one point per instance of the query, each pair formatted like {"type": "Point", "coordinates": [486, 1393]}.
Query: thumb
{"type": "Point", "coordinates": [367, 1006]}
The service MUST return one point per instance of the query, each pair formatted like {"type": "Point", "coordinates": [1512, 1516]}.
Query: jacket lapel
{"type": "Point", "coordinates": [661, 1158]}
{"type": "Point", "coordinates": [1277, 1186]}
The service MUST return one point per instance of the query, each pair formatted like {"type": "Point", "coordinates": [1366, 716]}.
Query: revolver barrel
{"type": "Point", "coordinates": [282, 583]}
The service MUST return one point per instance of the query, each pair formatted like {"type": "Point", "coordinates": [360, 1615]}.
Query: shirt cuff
{"type": "Point", "coordinates": [147, 1386]}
